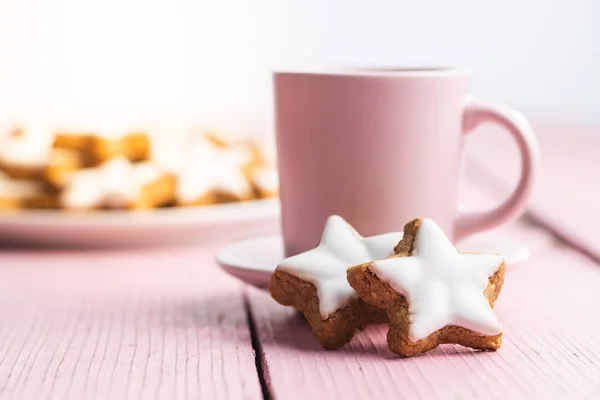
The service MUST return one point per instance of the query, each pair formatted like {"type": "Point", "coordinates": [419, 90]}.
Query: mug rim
{"type": "Point", "coordinates": [382, 71]}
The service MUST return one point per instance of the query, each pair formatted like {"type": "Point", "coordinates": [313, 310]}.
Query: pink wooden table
{"type": "Point", "coordinates": [167, 323]}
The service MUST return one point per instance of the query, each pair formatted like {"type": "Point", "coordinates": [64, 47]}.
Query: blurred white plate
{"type": "Point", "coordinates": [139, 228]}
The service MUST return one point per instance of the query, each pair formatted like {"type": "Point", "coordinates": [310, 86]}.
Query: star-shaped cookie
{"type": "Point", "coordinates": [432, 293]}
{"type": "Point", "coordinates": [118, 184]}
{"type": "Point", "coordinates": [315, 282]}
{"type": "Point", "coordinates": [212, 174]}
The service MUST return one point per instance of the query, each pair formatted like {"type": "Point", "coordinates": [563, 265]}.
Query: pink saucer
{"type": "Point", "coordinates": [253, 260]}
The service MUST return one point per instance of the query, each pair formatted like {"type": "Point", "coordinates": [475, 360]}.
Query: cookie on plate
{"type": "Point", "coordinates": [76, 141]}
{"type": "Point", "coordinates": [137, 146]}
{"type": "Point", "coordinates": [315, 282]}
{"type": "Point", "coordinates": [60, 166]}
{"type": "Point", "coordinates": [118, 184]}
{"type": "Point", "coordinates": [157, 188]}
{"type": "Point", "coordinates": [18, 194]}
{"type": "Point", "coordinates": [265, 180]}
{"type": "Point", "coordinates": [432, 293]}
{"type": "Point", "coordinates": [211, 174]}
{"type": "Point", "coordinates": [25, 154]}
{"type": "Point", "coordinates": [134, 146]}
{"type": "Point", "coordinates": [254, 153]}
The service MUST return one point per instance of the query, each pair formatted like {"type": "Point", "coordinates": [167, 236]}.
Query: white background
{"type": "Point", "coordinates": [112, 63]}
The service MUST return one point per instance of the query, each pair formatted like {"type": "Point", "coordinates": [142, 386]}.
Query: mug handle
{"type": "Point", "coordinates": [476, 112]}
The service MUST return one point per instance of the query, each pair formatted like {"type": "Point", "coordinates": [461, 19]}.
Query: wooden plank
{"type": "Point", "coordinates": [124, 324]}
{"type": "Point", "coordinates": [551, 345]}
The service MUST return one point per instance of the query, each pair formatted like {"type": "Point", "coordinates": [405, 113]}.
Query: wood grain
{"type": "Point", "coordinates": [167, 324]}
{"type": "Point", "coordinates": [551, 345]}
{"type": "Point", "coordinates": [145, 324]}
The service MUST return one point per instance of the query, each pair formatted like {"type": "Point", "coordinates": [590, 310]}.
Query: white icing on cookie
{"type": "Point", "coordinates": [443, 287]}
{"type": "Point", "coordinates": [31, 149]}
{"type": "Point", "coordinates": [169, 152]}
{"type": "Point", "coordinates": [325, 266]}
{"type": "Point", "coordinates": [210, 169]}
{"type": "Point", "coordinates": [18, 189]}
{"type": "Point", "coordinates": [267, 179]}
{"type": "Point", "coordinates": [93, 187]}
{"type": "Point", "coordinates": [116, 184]}
{"type": "Point", "coordinates": [146, 172]}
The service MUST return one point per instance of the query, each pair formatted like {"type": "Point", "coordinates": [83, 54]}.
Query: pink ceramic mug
{"type": "Point", "coordinates": [380, 147]}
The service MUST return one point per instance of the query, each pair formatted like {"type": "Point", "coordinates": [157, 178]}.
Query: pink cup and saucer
{"type": "Point", "coordinates": [379, 147]}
